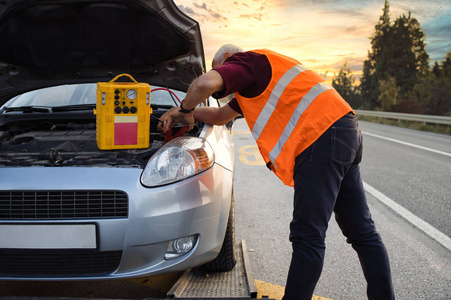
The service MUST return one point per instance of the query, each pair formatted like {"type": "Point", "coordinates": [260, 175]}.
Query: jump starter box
{"type": "Point", "coordinates": [122, 114]}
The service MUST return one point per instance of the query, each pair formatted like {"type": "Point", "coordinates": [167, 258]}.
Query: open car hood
{"type": "Point", "coordinates": [52, 42]}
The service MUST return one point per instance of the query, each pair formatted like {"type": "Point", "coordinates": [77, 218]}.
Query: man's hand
{"type": "Point", "coordinates": [201, 88]}
{"type": "Point", "coordinates": [174, 116]}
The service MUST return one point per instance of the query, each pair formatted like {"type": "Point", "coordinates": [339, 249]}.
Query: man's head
{"type": "Point", "coordinates": [223, 53]}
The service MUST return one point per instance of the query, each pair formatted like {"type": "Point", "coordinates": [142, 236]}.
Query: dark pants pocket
{"type": "Point", "coordinates": [346, 143]}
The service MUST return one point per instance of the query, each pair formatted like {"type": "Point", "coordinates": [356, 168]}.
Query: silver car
{"type": "Point", "coordinates": [71, 211]}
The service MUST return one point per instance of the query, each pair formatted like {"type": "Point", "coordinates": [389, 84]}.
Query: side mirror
{"type": "Point", "coordinates": [230, 123]}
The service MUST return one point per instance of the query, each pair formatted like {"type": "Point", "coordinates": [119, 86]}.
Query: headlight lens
{"type": "Point", "coordinates": [179, 159]}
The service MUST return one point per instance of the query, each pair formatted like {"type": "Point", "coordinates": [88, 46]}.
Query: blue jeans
{"type": "Point", "coordinates": [326, 180]}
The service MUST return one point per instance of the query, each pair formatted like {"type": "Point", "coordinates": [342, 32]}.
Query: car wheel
{"type": "Point", "coordinates": [226, 259]}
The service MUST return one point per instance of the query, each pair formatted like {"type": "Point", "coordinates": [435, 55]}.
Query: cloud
{"type": "Point", "coordinates": [203, 12]}
{"type": "Point", "coordinates": [258, 17]}
{"type": "Point", "coordinates": [243, 4]}
{"type": "Point", "coordinates": [186, 10]}
{"type": "Point", "coordinates": [213, 12]}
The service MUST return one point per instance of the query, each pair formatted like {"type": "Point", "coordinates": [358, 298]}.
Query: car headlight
{"type": "Point", "coordinates": [178, 159]}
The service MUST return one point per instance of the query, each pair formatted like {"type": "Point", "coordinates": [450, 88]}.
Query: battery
{"type": "Point", "coordinates": [122, 114]}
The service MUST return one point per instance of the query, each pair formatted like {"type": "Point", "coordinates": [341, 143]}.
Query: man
{"type": "Point", "coordinates": [308, 136]}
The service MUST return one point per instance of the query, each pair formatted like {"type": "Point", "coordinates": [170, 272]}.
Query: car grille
{"type": "Point", "coordinates": [47, 264]}
{"type": "Point", "coordinates": [63, 205]}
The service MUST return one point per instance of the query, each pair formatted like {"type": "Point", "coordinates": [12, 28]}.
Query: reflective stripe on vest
{"type": "Point", "coordinates": [269, 107]}
{"type": "Point", "coordinates": [302, 106]}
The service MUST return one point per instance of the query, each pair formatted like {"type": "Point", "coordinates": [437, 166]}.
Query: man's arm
{"type": "Point", "coordinates": [215, 115]}
{"type": "Point", "coordinates": [202, 88]}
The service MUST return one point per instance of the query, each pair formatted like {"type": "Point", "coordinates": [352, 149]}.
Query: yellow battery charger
{"type": "Point", "coordinates": [122, 114]}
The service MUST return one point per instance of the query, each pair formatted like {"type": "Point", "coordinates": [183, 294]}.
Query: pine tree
{"type": "Point", "coordinates": [398, 56]}
{"type": "Point", "coordinates": [377, 61]}
{"type": "Point", "coordinates": [344, 84]}
{"type": "Point", "coordinates": [437, 70]}
{"type": "Point", "coordinates": [408, 60]}
{"type": "Point", "coordinates": [433, 93]}
{"type": "Point", "coordinates": [446, 66]}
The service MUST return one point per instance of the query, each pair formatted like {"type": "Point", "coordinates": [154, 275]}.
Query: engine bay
{"type": "Point", "coordinates": [59, 126]}
{"type": "Point", "coordinates": [71, 143]}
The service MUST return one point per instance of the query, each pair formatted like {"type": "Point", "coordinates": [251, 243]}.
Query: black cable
{"type": "Point", "coordinates": [158, 119]}
{"type": "Point", "coordinates": [166, 85]}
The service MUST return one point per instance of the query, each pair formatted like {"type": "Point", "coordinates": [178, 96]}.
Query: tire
{"type": "Point", "coordinates": [226, 259]}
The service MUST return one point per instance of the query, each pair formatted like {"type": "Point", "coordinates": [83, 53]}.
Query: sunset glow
{"type": "Point", "coordinates": [322, 34]}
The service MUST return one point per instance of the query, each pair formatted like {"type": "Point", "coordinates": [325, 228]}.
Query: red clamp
{"type": "Point", "coordinates": [169, 135]}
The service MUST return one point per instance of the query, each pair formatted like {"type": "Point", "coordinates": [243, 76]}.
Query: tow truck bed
{"type": "Point", "coordinates": [235, 284]}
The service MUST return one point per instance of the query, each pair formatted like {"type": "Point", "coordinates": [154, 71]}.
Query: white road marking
{"type": "Point", "coordinates": [410, 217]}
{"type": "Point", "coordinates": [407, 144]}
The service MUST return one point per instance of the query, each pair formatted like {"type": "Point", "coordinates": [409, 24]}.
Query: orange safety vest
{"type": "Point", "coordinates": [295, 109]}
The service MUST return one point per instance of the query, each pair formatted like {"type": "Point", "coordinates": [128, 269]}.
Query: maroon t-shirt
{"type": "Point", "coordinates": [248, 73]}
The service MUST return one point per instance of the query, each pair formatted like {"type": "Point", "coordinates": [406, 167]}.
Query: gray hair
{"type": "Point", "coordinates": [232, 49]}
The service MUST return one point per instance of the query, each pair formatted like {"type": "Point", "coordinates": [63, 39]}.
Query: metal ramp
{"type": "Point", "coordinates": [235, 284]}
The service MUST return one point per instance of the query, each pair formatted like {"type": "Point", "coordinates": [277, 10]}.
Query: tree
{"type": "Point", "coordinates": [398, 53]}
{"type": "Point", "coordinates": [388, 94]}
{"type": "Point", "coordinates": [433, 93]}
{"type": "Point", "coordinates": [377, 60]}
{"type": "Point", "coordinates": [344, 84]}
{"type": "Point", "coordinates": [408, 61]}
{"type": "Point", "coordinates": [446, 65]}
{"type": "Point", "coordinates": [437, 70]}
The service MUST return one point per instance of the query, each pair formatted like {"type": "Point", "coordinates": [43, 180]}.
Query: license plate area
{"type": "Point", "coordinates": [48, 236]}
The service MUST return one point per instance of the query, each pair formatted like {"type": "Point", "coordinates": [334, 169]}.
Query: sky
{"type": "Point", "coordinates": [321, 34]}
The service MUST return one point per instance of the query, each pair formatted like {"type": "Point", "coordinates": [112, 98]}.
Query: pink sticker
{"type": "Point", "coordinates": [125, 133]}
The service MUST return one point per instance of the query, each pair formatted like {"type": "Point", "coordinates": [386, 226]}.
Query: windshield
{"type": "Point", "coordinates": [76, 94]}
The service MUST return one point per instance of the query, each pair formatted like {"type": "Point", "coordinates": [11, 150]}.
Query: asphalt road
{"type": "Point", "coordinates": [417, 179]}
{"type": "Point", "coordinates": [409, 167]}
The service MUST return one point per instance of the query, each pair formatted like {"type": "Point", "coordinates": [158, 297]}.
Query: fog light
{"type": "Point", "coordinates": [179, 247]}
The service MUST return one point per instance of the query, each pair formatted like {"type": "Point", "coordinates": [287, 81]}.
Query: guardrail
{"type": "Point", "coordinates": [410, 117]}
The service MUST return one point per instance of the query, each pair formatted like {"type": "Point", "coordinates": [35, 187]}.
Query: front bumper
{"type": "Point", "coordinates": [196, 206]}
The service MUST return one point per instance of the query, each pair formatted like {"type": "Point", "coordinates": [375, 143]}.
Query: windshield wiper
{"type": "Point", "coordinates": [28, 109]}
{"type": "Point", "coordinates": [74, 107]}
